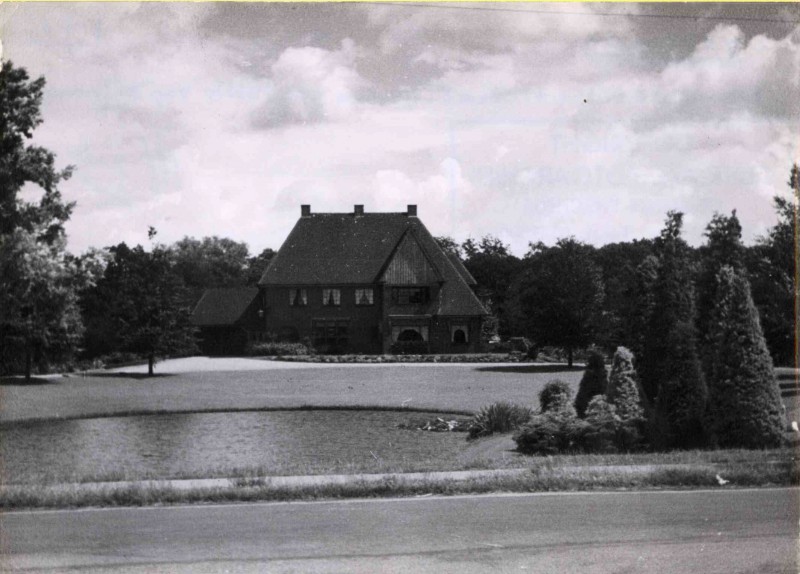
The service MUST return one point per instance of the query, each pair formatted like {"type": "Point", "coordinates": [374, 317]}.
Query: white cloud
{"type": "Point", "coordinates": [527, 127]}
{"type": "Point", "coordinates": [311, 85]}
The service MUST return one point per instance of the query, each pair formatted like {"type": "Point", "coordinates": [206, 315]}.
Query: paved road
{"type": "Point", "coordinates": [701, 531]}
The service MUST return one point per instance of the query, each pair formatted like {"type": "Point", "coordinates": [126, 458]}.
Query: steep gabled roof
{"type": "Point", "coordinates": [462, 270]}
{"type": "Point", "coordinates": [223, 306]}
{"type": "Point", "coordinates": [344, 248]}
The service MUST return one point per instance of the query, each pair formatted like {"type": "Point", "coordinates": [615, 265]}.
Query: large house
{"type": "Point", "coordinates": [366, 283]}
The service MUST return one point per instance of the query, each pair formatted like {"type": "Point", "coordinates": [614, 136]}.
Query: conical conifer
{"type": "Point", "coordinates": [745, 408]}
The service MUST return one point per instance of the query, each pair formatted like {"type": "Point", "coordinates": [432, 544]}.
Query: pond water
{"type": "Point", "coordinates": [181, 444]}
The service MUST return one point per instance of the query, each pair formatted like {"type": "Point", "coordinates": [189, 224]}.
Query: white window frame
{"type": "Point", "coordinates": [335, 294]}
{"type": "Point", "coordinates": [293, 293]}
{"type": "Point", "coordinates": [367, 292]}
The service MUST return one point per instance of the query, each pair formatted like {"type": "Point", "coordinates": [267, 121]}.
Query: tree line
{"type": "Point", "coordinates": [649, 295]}
{"type": "Point", "coordinates": [573, 295]}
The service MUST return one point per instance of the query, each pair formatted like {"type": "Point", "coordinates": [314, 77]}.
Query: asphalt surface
{"type": "Point", "coordinates": [726, 531]}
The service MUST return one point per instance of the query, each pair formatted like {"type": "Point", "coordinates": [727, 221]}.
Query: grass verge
{"type": "Point", "coordinates": [543, 478]}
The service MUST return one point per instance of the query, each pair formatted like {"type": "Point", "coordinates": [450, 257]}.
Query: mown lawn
{"type": "Point", "coordinates": [445, 387]}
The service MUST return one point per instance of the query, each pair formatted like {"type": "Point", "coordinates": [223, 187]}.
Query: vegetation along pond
{"type": "Point", "coordinates": [180, 445]}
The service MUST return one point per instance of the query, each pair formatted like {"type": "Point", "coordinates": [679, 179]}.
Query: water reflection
{"type": "Point", "coordinates": [172, 445]}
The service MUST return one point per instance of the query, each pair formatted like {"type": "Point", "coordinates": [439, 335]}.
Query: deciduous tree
{"type": "Point", "coordinates": [145, 303]}
{"type": "Point", "coordinates": [773, 269]}
{"type": "Point", "coordinates": [39, 317]}
{"type": "Point", "coordinates": [559, 294]}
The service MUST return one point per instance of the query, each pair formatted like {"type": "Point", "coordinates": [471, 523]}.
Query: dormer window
{"type": "Point", "coordinates": [298, 298]}
{"type": "Point", "coordinates": [365, 296]}
{"type": "Point", "coordinates": [331, 297]}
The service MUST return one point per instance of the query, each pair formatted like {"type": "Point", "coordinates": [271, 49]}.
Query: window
{"type": "Point", "coordinates": [365, 296]}
{"type": "Point", "coordinates": [331, 297]}
{"type": "Point", "coordinates": [331, 335]}
{"type": "Point", "coordinates": [459, 334]}
{"type": "Point", "coordinates": [410, 295]}
{"type": "Point", "coordinates": [298, 298]}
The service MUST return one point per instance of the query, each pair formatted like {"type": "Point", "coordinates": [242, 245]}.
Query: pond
{"type": "Point", "coordinates": [192, 444]}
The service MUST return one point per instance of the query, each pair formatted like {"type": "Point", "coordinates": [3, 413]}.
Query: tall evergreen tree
{"type": "Point", "coordinates": [642, 297]}
{"type": "Point", "coordinates": [593, 382]}
{"type": "Point", "coordinates": [670, 368]}
{"type": "Point", "coordinates": [745, 408]}
{"type": "Point", "coordinates": [723, 248]}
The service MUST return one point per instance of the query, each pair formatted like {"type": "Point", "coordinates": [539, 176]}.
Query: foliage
{"type": "Point", "coordinates": [556, 395]}
{"type": "Point", "coordinates": [559, 294]}
{"type": "Point", "coordinates": [681, 399]}
{"type": "Point", "coordinates": [140, 301]}
{"type": "Point", "coordinates": [723, 247]}
{"type": "Point", "coordinates": [670, 367]}
{"type": "Point", "coordinates": [745, 408]}
{"type": "Point", "coordinates": [276, 349]}
{"type": "Point", "coordinates": [20, 164]}
{"type": "Point", "coordinates": [641, 295]}
{"type": "Point", "coordinates": [603, 427]}
{"type": "Point", "coordinates": [552, 432]}
{"type": "Point", "coordinates": [773, 270]}
{"type": "Point", "coordinates": [449, 246]}
{"type": "Point", "coordinates": [619, 263]}
{"type": "Point", "coordinates": [409, 348]}
{"type": "Point", "coordinates": [499, 417]}
{"type": "Point", "coordinates": [257, 265]}
{"type": "Point", "coordinates": [39, 314]}
{"type": "Point", "coordinates": [209, 262]}
{"type": "Point", "coordinates": [623, 388]}
{"type": "Point", "coordinates": [39, 318]}
{"type": "Point", "coordinates": [494, 268]}
{"type": "Point", "coordinates": [593, 382]}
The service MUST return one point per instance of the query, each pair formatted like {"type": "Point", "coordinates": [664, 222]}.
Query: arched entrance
{"type": "Point", "coordinates": [409, 335]}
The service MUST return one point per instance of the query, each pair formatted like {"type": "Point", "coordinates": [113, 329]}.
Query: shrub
{"type": "Point", "coordinates": [275, 349]}
{"type": "Point", "coordinates": [603, 427]}
{"type": "Point", "coordinates": [593, 382]}
{"type": "Point", "coordinates": [556, 396]}
{"type": "Point", "coordinates": [552, 432]}
{"type": "Point", "coordinates": [499, 417]}
{"type": "Point", "coordinates": [623, 387]}
{"type": "Point", "coordinates": [745, 408]}
{"type": "Point", "coordinates": [409, 348]}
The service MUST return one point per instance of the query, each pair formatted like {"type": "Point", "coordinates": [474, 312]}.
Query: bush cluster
{"type": "Point", "coordinates": [465, 358]}
{"type": "Point", "coordinates": [275, 349]}
{"type": "Point", "coordinates": [499, 417]}
{"type": "Point", "coordinates": [409, 348]}
{"type": "Point", "coordinates": [612, 422]}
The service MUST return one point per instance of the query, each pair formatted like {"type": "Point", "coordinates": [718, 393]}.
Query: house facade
{"type": "Point", "coordinates": [369, 283]}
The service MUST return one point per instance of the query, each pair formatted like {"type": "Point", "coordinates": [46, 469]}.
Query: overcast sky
{"type": "Point", "coordinates": [221, 119]}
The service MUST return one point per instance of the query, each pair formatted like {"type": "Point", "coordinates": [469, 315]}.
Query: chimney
{"type": "Point", "coordinates": [305, 210]}
{"type": "Point", "coordinates": [358, 210]}
{"type": "Point", "coordinates": [412, 211]}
